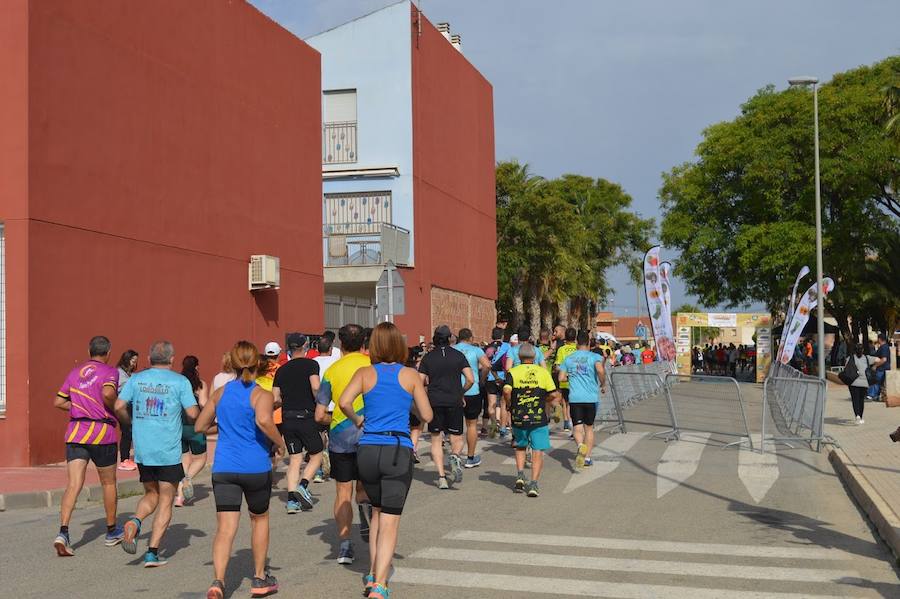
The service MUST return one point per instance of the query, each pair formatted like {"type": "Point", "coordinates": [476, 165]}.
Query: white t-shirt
{"type": "Point", "coordinates": [220, 379]}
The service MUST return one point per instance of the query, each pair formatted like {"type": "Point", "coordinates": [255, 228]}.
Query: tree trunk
{"type": "Point", "coordinates": [534, 308]}
{"type": "Point", "coordinates": [546, 313]}
{"type": "Point", "coordinates": [518, 305]}
{"type": "Point", "coordinates": [564, 312]}
{"type": "Point", "coordinates": [844, 325]}
{"type": "Point", "coordinates": [854, 331]}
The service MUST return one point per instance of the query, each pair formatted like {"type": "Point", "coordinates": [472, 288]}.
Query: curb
{"type": "Point", "coordinates": [52, 498]}
{"type": "Point", "coordinates": [879, 512]}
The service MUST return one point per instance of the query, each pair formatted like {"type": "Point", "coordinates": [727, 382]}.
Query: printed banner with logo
{"type": "Point", "coordinates": [665, 270]}
{"type": "Point", "coordinates": [656, 305]}
{"type": "Point", "coordinates": [790, 313]}
{"type": "Point", "coordinates": [800, 317]}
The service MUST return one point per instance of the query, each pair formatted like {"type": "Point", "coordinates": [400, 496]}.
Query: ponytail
{"type": "Point", "coordinates": [245, 360]}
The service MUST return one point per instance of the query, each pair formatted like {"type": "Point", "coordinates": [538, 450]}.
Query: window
{"type": "Point", "coordinates": [2, 320]}
{"type": "Point", "coordinates": [339, 127]}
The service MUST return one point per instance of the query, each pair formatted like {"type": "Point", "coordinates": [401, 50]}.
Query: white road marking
{"type": "Point", "coordinates": [808, 551]}
{"type": "Point", "coordinates": [552, 587]}
{"type": "Point", "coordinates": [758, 471]}
{"type": "Point", "coordinates": [607, 456]}
{"type": "Point", "coordinates": [635, 565]}
{"type": "Point", "coordinates": [680, 461]}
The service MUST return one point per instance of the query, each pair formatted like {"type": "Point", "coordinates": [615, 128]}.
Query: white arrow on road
{"type": "Point", "coordinates": [607, 455]}
{"type": "Point", "coordinates": [680, 461]}
{"type": "Point", "coordinates": [758, 471]}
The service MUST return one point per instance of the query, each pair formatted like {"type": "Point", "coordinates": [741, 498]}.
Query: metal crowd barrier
{"type": "Point", "coordinates": [798, 407]}
{"type": "Point", "coordinates": [702, 407]}
{"type": "Point", "coordinates": [633, 383]}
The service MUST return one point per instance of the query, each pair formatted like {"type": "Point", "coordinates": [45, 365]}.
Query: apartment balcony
{"type": "Point", "coordinates": [339, 143]}
{"type": "Point", "coordinates": [365, 244]}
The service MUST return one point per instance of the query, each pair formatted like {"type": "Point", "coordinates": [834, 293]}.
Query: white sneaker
{"type": "Point", "coordinates": [857, 419]}
{"type": "Point", "coordinates": [861, 421]}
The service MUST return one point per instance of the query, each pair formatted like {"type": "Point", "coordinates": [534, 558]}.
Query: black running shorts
{"type": "Point", "coordinates": [386, 473]}
{"type": "Point", "coordinates": [583, 413]}
{"type": "Point", "coordinates": [230, 488]}
{"type": "Point", "coordinates": [474, 404]}
{"type": "Point", "coordinates": [343, 467]}
{"type": "Point", "coordinates": [103, 456]}
{"type": "Point", "coordinates": [301, 435]}
{"type": "Point", "coordinates": [161, 474]}
{"type": "Point", "coordinates": [447, 420]}
{"type": "Point", "coordinates": [493, 387]}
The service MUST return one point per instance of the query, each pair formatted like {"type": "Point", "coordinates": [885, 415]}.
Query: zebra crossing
{"type": "Point", "coordinates": [477, 562]}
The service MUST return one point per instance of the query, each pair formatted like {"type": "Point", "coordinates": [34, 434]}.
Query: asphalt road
{"type": "Point", "coordinates": [650, 519]}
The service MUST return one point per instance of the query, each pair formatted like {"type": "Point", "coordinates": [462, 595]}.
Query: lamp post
{"type": "Point", "coordinates": [820, 305]}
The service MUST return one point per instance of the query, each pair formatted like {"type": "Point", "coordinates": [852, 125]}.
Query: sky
{"type": "Point", "coordinates": [623, 90]}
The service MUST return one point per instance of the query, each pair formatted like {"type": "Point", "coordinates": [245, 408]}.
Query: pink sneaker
{"type": "Point", "coordinates": [179, 501]}
{"type": "Point", "coordinates": [127, 465]}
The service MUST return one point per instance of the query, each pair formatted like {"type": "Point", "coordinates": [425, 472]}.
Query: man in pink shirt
{"type": "Point", "coordinates": [89, 394]}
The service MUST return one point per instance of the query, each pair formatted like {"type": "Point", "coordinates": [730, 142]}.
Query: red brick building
{"type": "Point", "coordinates": [148, 150]}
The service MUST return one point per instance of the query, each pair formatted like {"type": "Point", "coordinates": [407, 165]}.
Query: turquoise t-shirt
{"type": "Point", "coordinates": [581, 369]}
{"type": "Point", "coordinates": [473, 354]}
{"type": "Point", "coordinates": [157, 397]}
{"type": "Point", "coordinates": [514, 354]}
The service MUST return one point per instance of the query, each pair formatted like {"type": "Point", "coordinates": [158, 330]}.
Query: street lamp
{"type": "Point", "coordinates": [820, 306]}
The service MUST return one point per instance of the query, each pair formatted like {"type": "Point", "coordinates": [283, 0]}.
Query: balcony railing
{"type": "Point", "coordinates": [339, 143]}
{"type": "Point", "coordinates": [365, 244]}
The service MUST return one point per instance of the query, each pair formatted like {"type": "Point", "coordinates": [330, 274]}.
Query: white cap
{"type": "Point", "coordinates": [514, 338]}
{"type": "Point", "coordinates": [272, 348]}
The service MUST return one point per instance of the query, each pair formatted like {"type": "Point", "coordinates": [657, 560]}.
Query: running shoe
{"type": "Point", "coordinates": [533, 490]}
{"type": "Point", "coordinates": [365, 516]}
{"type": "Point", "coordinates": [262, 587]}
{"type": "Point", "coordinates": [581, 456]}
{"type": "Point", "coordinates": [216, 590]}
{"type": "Point", "coordinates": [151, 560]}
{"type": "Point", "coordinates": [379, 591]}
{"type": "Point", "coordinates": [345, 554]}
{"type": "Point", "coordinates": [63, 546]}
{"type": "Point", "coordinates": [319, 477]}
{"type": "Point", "coordinates": [520, 483]}
{"type": "Point", "coordinates": [567, 426]}
{"type": "Point", "coordinates": [132, 529]}
{"type": "Point", "coordinates": [492, 432]}
{"type": "Point", "coordinates": [442, 483]}
{"type": "Point", "coordinates": [416, 459]}
{"type": "Point", "coordinates": [456, 468]}
{"type": "Point", "coordinates": [306, 502]}
{"type": "Point", "coordinates": [187, 488]}
{"type": "Point", "coordinates": [503, 433]}
{"type": "Point", "coordinates": [557, 414]}
{"type": "Point", "coordinates": [127, 466]}
{"type": "Point", "coordinates": [369, 581]}
{"type": "Point", "coordinates": [292, 507]}
{"type": "Point", "coordinates": [179, 501]}
{"type": "Point", "coordinates": [588, 462]}
{"type": "Point", "coordinates": [114, 537]}
{"type": "Point", "coordinates": [474, 462]}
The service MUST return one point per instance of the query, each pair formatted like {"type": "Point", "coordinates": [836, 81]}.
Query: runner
{"type": "Point", "coordinates": [265, 378]}
{"type": "Point", "coordinates": [193, 444]}
{"type": "Point", "coordinates": [295, 389]}
{"type": "Point", "coordinates": [385, 451]}
{"type": "Point", "coordinates": [527, 390]}
{"type": "Point", "coordinates": [343, 438]}
{"type": "Point", "coordinates": [522, 337]}
{"type": "Point", "coordinates": [584, 372]}
{"type": "Point", "coordinates": [126, 367]}
{"type": "Point", "coordinates": [496, 353]}
{"type": "Point", "coordinates": [474, 399]}
{"type": "Point", "coordinates": [225, 374]}
{"type": "Point", "coordinates": [241, 467]}
{"type": "Point", "coordinates": [89, 394]}
{"type": "Point", "coordinates": [568, 348]}
{"type": "Point", "coordinates": [157, 397]}
{"type": "Point", "coordinates": [440, 370]}
{"type": "Point", "coordinates": [328, 355]}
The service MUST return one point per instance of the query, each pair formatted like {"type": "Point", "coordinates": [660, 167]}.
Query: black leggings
{"type": "Point", "coordinates": [125, 442]}
{"type": "Point", "coordinates": [858, 397]}
{"type": "Point", "coordinates": [386, 474]}
{"type": "Point", "coordinates": [230, 488]}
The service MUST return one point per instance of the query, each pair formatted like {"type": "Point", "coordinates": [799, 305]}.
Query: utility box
{"type": "Point", "coordinates": [265, 272]}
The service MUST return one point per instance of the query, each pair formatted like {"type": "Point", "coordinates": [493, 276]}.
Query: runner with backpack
{"type": "Point", "coordinates": [496, 352]}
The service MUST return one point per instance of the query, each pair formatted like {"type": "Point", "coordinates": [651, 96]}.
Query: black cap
{"type": "Point", "coordinates": [443, 331]}
{"type": "Point", "coordinates": [296, 340]}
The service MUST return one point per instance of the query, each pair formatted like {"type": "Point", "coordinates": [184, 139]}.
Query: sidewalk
{"type": "Point", "coordinates": [43, 486]}
{"type": "Point", "coordinates": [867, 461]}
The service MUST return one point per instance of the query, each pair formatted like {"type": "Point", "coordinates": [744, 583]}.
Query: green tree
{"type": "Point", "coordinates": [742, 214]}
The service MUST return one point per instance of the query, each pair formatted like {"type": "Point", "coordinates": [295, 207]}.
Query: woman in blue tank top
{"type": "Point", "coordinates": [242, 468]}
{"type": "Point", "coordinates": [384, 457]}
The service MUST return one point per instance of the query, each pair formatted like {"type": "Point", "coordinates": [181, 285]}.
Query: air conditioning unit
{"type": "Point", "coordinates": [265, 272]}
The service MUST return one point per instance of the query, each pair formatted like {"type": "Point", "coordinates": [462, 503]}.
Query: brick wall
{"type": "Point", "coordinates": [458, 310]}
